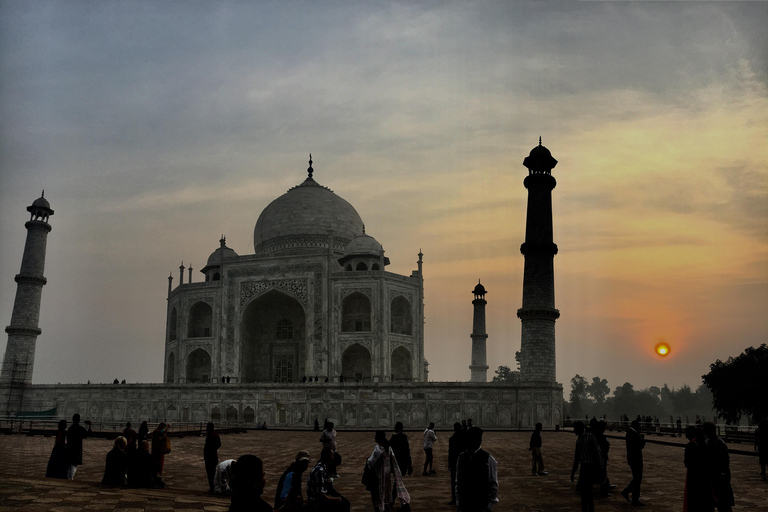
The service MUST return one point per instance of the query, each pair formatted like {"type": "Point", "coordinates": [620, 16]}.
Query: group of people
{"type": "Point", "coordinates": [708, 478]}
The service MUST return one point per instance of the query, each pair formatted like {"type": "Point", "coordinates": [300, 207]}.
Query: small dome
{"type": "Point", "coordinates": [222, 253]}
{"type": "Point", "coordinates": [363, 245]}
{"type": "Point", "coordinates": [540, 160]}
{"type": "Point", "coordinates": [479, 289]}
{"type": "Point", "coordinates": [41, 202]}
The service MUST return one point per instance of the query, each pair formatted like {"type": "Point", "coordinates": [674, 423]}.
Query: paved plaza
{"type": "Point", "coordinates": [23, 487]}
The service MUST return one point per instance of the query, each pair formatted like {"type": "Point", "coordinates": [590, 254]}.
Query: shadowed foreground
{"type": "Point", "coordinates": [23, 461]}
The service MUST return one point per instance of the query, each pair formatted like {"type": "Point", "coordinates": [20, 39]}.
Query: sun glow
{"type": "Point", "coordinates": [662, 349]}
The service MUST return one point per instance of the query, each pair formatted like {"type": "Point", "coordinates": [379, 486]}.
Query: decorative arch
{"type": "Point", "coordinates": [249, 414]}
{"type": "Point", "coordinates": [273, 338]}
{"type": "Point", "coordinates": [170, 368]}
{"type": "Point", "coordinates": [400, 321]}
{"type": "Point", "coordinates": [402, 367]}
{"type": "Point", "coordinates": [356, 313]}
{"type": "Point", "coordinates": [231, 413]}
{"type": "Point", "coordinates": [361, 266]}
{"type": "Point", "coordinates": [375, 266]}
{"type": "Point", "coordinates": [215, 414]}
{"type": "Point", "coordinates": [173, 321]}
{"type": "Point", "coordinates": [200, 323]}
{"type": "Point", "coordinates": [198, 366]}
{"type": "Point", "coordinates": [348, 268]}
{"type": "Point", "coordinates": [216, 276]}
{"type": "Point", "coordinates": [356, 363]}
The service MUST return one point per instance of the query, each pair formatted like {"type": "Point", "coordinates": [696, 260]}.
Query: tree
{"type": "Point", "coordinates": [504, 374]}
{"type": "Point", "coordinates": [578, 394]}
{"type": "Point", "coordinates": [598, 389]}
{"type": "Point", "coordinates": [740, 385]}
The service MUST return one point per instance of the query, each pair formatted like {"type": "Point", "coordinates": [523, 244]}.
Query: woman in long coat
{"type": "Point", "coordinates": [160, 446]}
{"type": "Point", "coordinates": [57, 463]}
{"type": "Point", "coordinates": [386, 483]}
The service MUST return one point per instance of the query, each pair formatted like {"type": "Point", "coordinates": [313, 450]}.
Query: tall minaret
{"type": "Point", "coordinates": [479, 364]}
{"type": "Point", "coordinates": [23, 331]}
{"type": "Point", "coordinates": [538, 314]}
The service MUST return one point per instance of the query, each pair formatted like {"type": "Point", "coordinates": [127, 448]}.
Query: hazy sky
{"type": "Point", "coordinates": [154, 127]}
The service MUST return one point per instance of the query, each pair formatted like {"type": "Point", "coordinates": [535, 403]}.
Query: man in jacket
{"type": "Point", "coordinates": [635, 445]}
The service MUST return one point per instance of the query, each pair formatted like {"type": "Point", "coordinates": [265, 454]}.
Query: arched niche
{"type": "Point", "coordinates": [198, 366]}
{"type": "Point", "coordinates": [173, 321]}
{"type": "Point", "coordinates": [401, 321]}
{"type": "Point", "coordinates": [356, 313]}
{"type": "Point", "coordinates": [273, 334]}
{"type": "Point", "coordinates": [200, 321]}
{"type": "Point", "coordinates": [356, 363]}
{"type": "Point", "coordinates": [402, 368]}
{"type": "Point", "coordinates": [215, 414]}
{"type": "Point", "coordinates": [361, 266]}
{"type": "Point", "coordinates": [170, 368]}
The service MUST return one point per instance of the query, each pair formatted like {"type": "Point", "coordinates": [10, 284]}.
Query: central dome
{"type": "Point", "coordinates": [301, 218]}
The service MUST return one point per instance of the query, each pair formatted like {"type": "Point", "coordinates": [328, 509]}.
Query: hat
{"type": "Point", "coordinates": [302, 455]}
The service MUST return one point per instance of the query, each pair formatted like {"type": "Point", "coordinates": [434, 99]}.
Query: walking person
{"type": "Point", "coordinates": [698, 496]}
{"type": "Point", "coordinates": [720, 468]}
{"type": "Point", "coordinates": [328, 438]}
{"type": "Point", "coordinates": [321, 496]}
{"type": "Point", "coordinates": [57, 463]}
{"type": "Point", "coordinates": [399, 444]}
{"type": "Point", "coordinates": [429, 440]}
{"type": "Point", "coordinates": [75, 436]}
{"type": "Point", "coordinates": [387, 481]}
{"type": "Point", "coordinates": [761, 446]}
{"type": "Point", "coordinates": [477, 482]}
{"type": "Point", "coordinates": [131, 437]}
{"type": "Point", "coordinates": [211, 453]}
{"type": "Point", "coordinates": [457, 443]}
{"type": "Point", "coordinates": [288, 496]}
{"type": "Point", "coordinates": [605, 447]}
{"type": "Point", "coordinates": [143, 434]}
{"type": "Point", "coordinates": [588, 460]}
{"type": "Point", "coordinates": [537, 466]}
{"type": "Point", "coordinates": [635, 444]}
{"type": "Point", "coordinates": [161, 445]}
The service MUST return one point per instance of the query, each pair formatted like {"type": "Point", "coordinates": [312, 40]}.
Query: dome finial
{"type": "Point", "coordinates": [310, 170]}
{"type": "Point", "coordinates": [43, 194]}
{"type": "Point", "coordinates": [539, 140]}
{"type": "Point", "coordinates": [363, 228]}
{"type": "Point", "coordinates": [223, 240]}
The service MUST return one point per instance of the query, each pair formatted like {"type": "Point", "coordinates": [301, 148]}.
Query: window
{"type": "Point", "coordinates": [283, 370]}
{"type": "Point", "coordinates": [284, 329]}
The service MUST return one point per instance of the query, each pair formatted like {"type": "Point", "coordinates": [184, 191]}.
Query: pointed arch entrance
{"type": "Point", "coordinates": [198, 366]}
{"type": "Point", "coordinates": [273, 338]}
{"type": "Point", "coordinates": [356, 363]}
{"type": "Point", "coordinates": [401, 365]}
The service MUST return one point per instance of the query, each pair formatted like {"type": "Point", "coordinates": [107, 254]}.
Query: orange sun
{"type": "Point", "coordinates": [662, 349]}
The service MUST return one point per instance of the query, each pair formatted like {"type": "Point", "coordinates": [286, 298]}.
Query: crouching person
{"type": "Point", "coordinates": [117, 464]}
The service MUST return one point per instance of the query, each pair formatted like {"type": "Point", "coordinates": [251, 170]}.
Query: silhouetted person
{"type": "Point", "coordinates": [720, 468]}
{"type": "Point", "coordinates": [57, 463]}
{"type": "Point", "coordinates": [211, 453]}
{"type": "Point", "coordinates": [141, 469]}
{"type": "Point", "coordinates": [131, 437]}
{"type": "Point", "coordinates": [387, 482]}
{"type": "Point", "coordinates": [328, 438]}
{"type": "Point", "coordinates": [341, 378]}
{"type": "Point", "coordinates": [477, 483]}
{"type": "Point", "coordinates": [537, 465]}
{"type": "Point", "coordinates": [321, 496]}
{"type": "Point", "coordinates": [605, 447]}
{"type": "Point", "coordinates": [317, 426]}
{"type": "Point", "coordinates": [288, 495]}
{"type": "Point", "coordinates": [698, 495]}
{"type": "Point", "coordinates": [248, 480]}
{"type": "Point", "coordinates": [635, 444]}
{"type": "Point", "coordinates": [161, 445]}
{"type": "Point", "coordinates": [588, 460]}
{"type": "Point", "coordinates": [399, 444]}
{"type": "Point", "coordinates": [116, 464]}
{"type": "Point", "coordinates": [227, 379]}
{"type": "Point", "coordinates": [429, 440]}
{"type": "Point", "coordinates": [75, 436]}
{"type": "Point", "coordinates": [469, 423]}
{"type": "Point", "coordinates": [761, 446]}
{"type": "Point", "coordinates": [457, 443]}
{"type": "Point", "coordinates": [143, 432]}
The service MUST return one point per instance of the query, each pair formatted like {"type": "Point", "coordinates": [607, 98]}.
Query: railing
{"type": "Point", "coordinates": [111, 429]}
{"type": "Point", "coordinates": [729, 433]}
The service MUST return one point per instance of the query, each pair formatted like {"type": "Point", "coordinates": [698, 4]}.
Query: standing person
{"type": "Point", "coordinates": [130, 437]}
{"type": "Point", "coordinates": [399, 444]}
{"type": "Point", "coordinates": [75, 436]}
{"type": "Point", "coordinates": [142, 470]}
{"type": "Point", "coordinates": [161, 445]}
{"type": "Point", "coordinates": [288, 496]}
{"type": "Point", "coordinates": [429, 440]}
{"type": "Point", "coordinates": [116, 464]}
{"type": "Point", "coordinates": [698, 487]}
{"type": "Point", "coordinates": [248, 481]}
{"type": "Point", "coordinates": [57, 463]}
{"type": "Point", "coordinates": [143, 434]}
{"type": "Point", "coordinates": [588, 460]}
{"type": "Point", "coordinates": [761, 446]}
{"type": "Point", "coordinates": [211, 453]}
{"type": "Point", "coordinates": [477, 483]}
{"type": "Point", "coordinates": [535, 448]}
{"type": "Point", "coordinates": [635, 444]}
{"type": "Point", "coordinates": [387, 481]}
{"type": "Point", "coordinates": [720, 468]}
{"type": "Point", "coordinates": [321, 496]}
{"type": "Point", "coordinates": [328, 438]}
{"type": "Point", "coordinates": [605, 447]}
{"type": "Point", "coordinates": [457, 443]}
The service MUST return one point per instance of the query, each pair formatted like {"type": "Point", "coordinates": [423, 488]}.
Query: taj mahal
{"type": "Point", "coordinates": [312, 325]}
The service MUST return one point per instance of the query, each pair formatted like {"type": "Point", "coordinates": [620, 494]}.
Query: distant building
{"type": "Point", "coordinates": [314, 300]}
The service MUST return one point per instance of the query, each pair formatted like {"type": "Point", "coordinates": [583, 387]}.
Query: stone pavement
{"type": "Point", "coordinates": [23, 488]}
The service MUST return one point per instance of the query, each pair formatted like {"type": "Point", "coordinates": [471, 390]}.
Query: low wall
{"type": "Point", "coordinates": [298, 405]}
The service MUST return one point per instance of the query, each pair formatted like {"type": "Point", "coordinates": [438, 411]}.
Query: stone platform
{"type": "Point", "coordinates": [364, 405]}
{"type": "Point", "coordinates": [23, 460]}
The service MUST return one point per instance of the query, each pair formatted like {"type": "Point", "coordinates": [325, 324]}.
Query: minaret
{"type": "Point", "coordinates": [538, 314]}
{"type": "Point", "coordinates": [479, 364]}
{"type": "Point", "coordinates": [23, 331]}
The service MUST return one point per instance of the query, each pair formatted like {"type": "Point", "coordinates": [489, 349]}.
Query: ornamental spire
{"type": "Point", "coordinates": [310, 170]}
